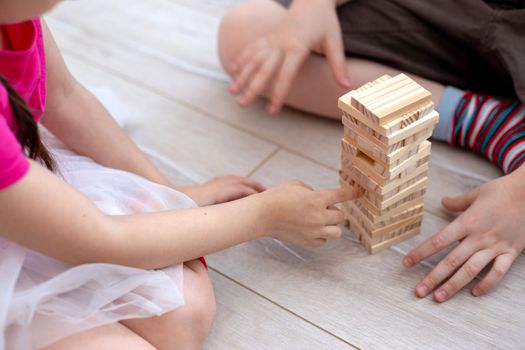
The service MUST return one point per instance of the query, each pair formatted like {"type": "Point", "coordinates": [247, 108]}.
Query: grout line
{"type": "Point", "coordinates": [284, 308]}
{"type": "Point", "coordinates": [265, 160]}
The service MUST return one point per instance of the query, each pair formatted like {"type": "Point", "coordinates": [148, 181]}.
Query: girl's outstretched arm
{"type": "Point", "coordinates": [45, 214]}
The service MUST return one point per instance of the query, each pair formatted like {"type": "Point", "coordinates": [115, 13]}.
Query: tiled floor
{"type": "Point", "coordinates": [159, 58]}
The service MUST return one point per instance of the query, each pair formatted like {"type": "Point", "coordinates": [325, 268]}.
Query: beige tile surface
{"type": "Point", "coordinates": [199, 146]}
{"type": "Point", "coordinates": [247, 321]}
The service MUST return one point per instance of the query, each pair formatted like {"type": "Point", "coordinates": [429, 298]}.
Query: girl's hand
{"type": "Point", "coordinates": [275, 59]}
{"type": "Point", "coordinates": [222, 189]}
{"type": "Point", "coordinates": [491, 229]}
{"type": "Point", "coordinates": [302, 216]}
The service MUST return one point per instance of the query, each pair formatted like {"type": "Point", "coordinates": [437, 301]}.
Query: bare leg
{"type": "Point", "coordinates": [188, 326]}
{"type": "Point", "coordinates": [314, 90]}
{"type": "Point", "coordinates": [110, 337]}
{"type": "Point", "coordinates": [184, 328]}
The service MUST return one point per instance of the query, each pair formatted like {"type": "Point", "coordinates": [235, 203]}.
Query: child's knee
{"type": "Point", "coordinates": [200, 308]}
{"type": "Point", "coordinates": [202, 315]}
{"type": "Point", "coordinates": [238, 29]}
{"type": "Point", "coordinates": [231, 39]}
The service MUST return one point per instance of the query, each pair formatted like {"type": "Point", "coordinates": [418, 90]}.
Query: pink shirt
{"type": "Point", "coordinates": [22, 63]}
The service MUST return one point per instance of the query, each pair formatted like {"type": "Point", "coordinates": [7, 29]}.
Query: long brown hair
{"type": "Point", "coordinates": [27, 133]}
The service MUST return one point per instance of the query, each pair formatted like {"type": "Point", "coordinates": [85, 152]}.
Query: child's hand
{"type": "Point", "coordinates": [275, 59]}
{"type": "Point", "coordinates": [492, 228]}
{"type": "Point", "coordinates": [222, 189]}
{"type": "Point", "coordinates": [302, 216]}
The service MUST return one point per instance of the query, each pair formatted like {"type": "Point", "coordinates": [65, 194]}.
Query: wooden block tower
{"type": "Point", "coordinates": [385, 150]}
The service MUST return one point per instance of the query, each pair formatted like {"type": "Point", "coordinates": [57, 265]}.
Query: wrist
{"type": "Point", "coordinates": [264, 213]}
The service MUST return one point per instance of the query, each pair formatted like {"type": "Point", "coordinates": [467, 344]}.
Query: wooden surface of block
{"type": "Point", "coordinates": [368, 90]}
{"type": "Point", "coordinates": [375, 222]}
{"type": "Point", "coordinates": [379, 155]}
{"type": "Point", "coordinates": [378, 229]}
{"type": "Point", "coordinates": [376, 245]}
{"type": "Point", "coordinates": [405, 201]}
{"type": "Point", "coordinates": [396, 139]}
{"type": "Point", "coordinates": [379, 174]}
{"type": "Point", "coordinates": [390, 99]}
{"type": "Point", "coordinates": [363, 98]}
{"type": "Point", "coordinates": [349, 168]}
{"type": "Point", "coordinates": [390, 216]}
{"type": "Point", "coordinates": [389, 128]}
{"type": "Point", "coordinates": [382, 204]}
{"type": "Point", "coordinates": [380, 200]}
{"type": "Point", "coordinates": [349, 172]}
{"type": "Point", "coordinates": [389, 171]}
{"type": "Point", "coordinates": [394, 195]}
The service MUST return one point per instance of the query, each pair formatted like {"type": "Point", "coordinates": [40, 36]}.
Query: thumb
{"type": "Point", "coordinates": [461, 202]}
{"type": "Point", "coordinates": [335, 55]}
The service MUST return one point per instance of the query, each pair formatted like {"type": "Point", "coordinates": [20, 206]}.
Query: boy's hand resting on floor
{"type": "Point", "coordinates": [490, 229]}
{"type": "Point", "coordinates": [274, 60]}
{"type": "Point", "coordinates": [300, 215]}
{"type": "Point", "coordinates": [222, 189]}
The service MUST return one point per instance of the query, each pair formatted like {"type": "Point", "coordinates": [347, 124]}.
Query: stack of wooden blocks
{"type": "Point", "coordinates": [385, 151]}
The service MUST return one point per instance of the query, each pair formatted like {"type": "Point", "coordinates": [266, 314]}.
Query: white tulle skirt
{"type": "Point", "coordinates": [43, 300]}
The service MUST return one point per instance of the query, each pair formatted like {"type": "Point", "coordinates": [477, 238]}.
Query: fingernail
{"type": "Point", "coordinates": [422, 290]}
{"type": "Point", "coordinates": [408, 261]}
{"type": "Point", "coordinates": [441, 295]}
{"type": "Point", "coordinates": [476, 292]}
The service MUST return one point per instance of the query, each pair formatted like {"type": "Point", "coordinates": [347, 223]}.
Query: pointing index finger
{"type": "Point", "coordinates": [334, 196]}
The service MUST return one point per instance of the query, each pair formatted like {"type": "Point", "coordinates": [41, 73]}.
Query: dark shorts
{"type": "Point", "coordinates": [470, 44]}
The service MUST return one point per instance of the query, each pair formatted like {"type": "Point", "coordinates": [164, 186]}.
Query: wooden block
{"type": "Point", "coordinates": [376, 230]}
{"type": "Point", "coordinates": [375, 245]}
{"type": "Point", "coordinates": [389, 128]}
{"type": "Point", "coordinates": [382, 204]}
{"type": "Point", "coordinates": [395, 215]}
{"type": "Point", "coordinates": [372, 83]}
{"type": "Point", "coordinates": [361, 100]}
{"type": "Point", "coordinates": [378, 173]}
{"type": "Point", "coordinates": [411, 197]}
{"type": "Point", "coordinates": [387, 172]}
{"type": "Point", "coordinates": [380, 156]}
{"type": "Point", "coordinates": [382, 200]}
{"type": "Point", "coordinates": [396, 140]}
{"type": "Point", "coordinates": [389, 99]}
{"type": "Point", "coordinates": [350, 174]}
{"type": "Point", "coordinates": [394, 94]}
{"type": "Point", "coordinates": [403, 236]}
{"type": "Point", "coordinates": [369, 87]}
{"type": "Point", "coordinates": [401, 103]}
{"type": "Point", "coordinates": [408, 119]}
